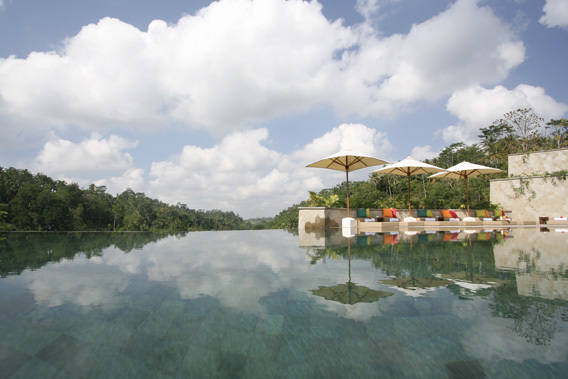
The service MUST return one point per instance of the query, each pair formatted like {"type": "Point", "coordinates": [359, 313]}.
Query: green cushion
{"type": "Point", "coordinates": [480, 213]}
{"type": "Point", "coordinates": [361, 212]}
{"type": "Point", "coordinates": [422, 213]}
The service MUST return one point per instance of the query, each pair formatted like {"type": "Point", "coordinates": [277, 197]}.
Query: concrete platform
{"type": "Point", "coordinates": [395, 226]}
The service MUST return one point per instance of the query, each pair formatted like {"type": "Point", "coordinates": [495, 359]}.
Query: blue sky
{"type": "Point", "coordinates": [221, 105]}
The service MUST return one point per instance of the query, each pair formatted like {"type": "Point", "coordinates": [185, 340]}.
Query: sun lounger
{"type": "Point", "coordinates": [426, 215]}
{"type": "Point", "coordinates": [448, 215]}
{"type": "Point", "coordinates": [389, 215]}
{"type": "Point", "coordinates": [499, 215]}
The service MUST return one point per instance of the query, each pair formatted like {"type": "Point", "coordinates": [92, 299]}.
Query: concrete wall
{"type": "Point", "coordinates": [321, 217]}
{"type": "Point", "coordinates": [538, 163]}
{"type": "Point", "coordinates": [532, 196]}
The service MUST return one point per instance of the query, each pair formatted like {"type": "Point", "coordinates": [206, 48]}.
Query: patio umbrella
{"type": "Point", "coordinates": [466, 170]}
{"type": "Point", "coordinates": [408, 167]}
{"type": "Point", "coordinates": [347, 160]}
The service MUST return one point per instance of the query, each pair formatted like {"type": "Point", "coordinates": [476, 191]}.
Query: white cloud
{"type": "Point", "coordinates": [242, 174]}
{"type": "Point", "coordinates": [555, 13]}
{"type": "Point", "coordinates": [132, 178]}
{"type": "Point", "coordinates": [478, 107]}
{"type": "Point", "coordinates": [460, 47]}
{"type": "Point", "coordinates": [423, 152]}
{"type": "Point", "coordinates": [239, 62]}
{"type": "Point", "coordinates": [60, 157]}
{"type": "Point", "coordinates": [367, 8]}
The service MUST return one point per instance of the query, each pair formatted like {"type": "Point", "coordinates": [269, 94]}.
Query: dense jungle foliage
{"type": "Point", "coordinates": [37, 202]}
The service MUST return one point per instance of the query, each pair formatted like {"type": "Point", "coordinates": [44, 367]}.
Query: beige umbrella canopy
{"type": "Point", "coordinates": [466, 170]}
{"type": "Point", "coordinates": [347, 160]}
{"type": "Point", "coordinates": [408, 167]}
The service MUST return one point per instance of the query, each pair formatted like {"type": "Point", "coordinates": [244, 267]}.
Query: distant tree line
{"type": "Point", "coordinates": [40, 203]}
{"type": "Point", "coordinates": [519, 131]}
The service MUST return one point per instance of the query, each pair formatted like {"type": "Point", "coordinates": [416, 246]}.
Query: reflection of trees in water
{"type": "Point", "coordinates": [422, 260]}
{"type": "Point", "coordinates": [535, 318]}
{"type": "Point", "coordinates": [530, 264]}
{"type": "Point", "coordinates": [21, 251]}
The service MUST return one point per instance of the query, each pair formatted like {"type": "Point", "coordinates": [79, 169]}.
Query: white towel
{"type": "Point", "coordinates": [560, 219]}
{"type": "Point", "coordinates": [429, 219]}
{"type": "Point", "coordinates": [454, 219]}
{"type": "Point", "coordinates": [393, 220]}
{"type": "Point", "coordinates": [487, 219]}
{"type": "Point", "coordinates": [369, 220]}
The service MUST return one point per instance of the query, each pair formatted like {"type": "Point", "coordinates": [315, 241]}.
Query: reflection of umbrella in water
{"type": "Point", "coordinates": [347, 160]}
{"type": "Point", "coordinates": [350, 293]}
{"type": "Point", "coordinates": [413, 282]}
{"type": "Point", "coordinates": [470, 279]}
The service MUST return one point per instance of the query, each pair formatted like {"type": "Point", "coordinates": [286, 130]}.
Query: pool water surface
{"type": "Point", "coordinates": [483, 303]}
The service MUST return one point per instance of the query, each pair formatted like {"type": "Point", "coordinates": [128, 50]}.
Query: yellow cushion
{"type": "Point", "coordinates": [480, 213]}
{"type": "Point", "coordinates": [429, 213]}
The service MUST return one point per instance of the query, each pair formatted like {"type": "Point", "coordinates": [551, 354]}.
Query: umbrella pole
{"type": "Point", "coordinates": [467, 195]}
{"type": "Point", "coordinates": [347, 180]}
{"type": "Point", "coordinates": [409, 211]}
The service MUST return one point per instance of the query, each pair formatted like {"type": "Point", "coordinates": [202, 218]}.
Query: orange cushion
{"type": "Point", "coordinates": [486, 213]}
{"type": "Point", "coordinates": [446, 213]}
{"type": "Point", "coordinates": [387, 212]}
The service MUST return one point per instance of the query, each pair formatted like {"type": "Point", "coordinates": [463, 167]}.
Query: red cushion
{"type": "Point", "coordinates": [454, 214]}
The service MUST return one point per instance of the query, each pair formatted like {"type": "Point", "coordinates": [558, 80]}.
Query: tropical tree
{"type": "Point", "coordinates": [560, 131]}
{"type": "Point", "coordinates": [527, 126]}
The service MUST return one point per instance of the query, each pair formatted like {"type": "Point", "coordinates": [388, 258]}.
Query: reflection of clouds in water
{"type": "Point", "coordinates": [127, 263]}
{"type": "Point", "coordinates": [493, 337]}
{"type": "Point", "coordinates": [76, 282]}
{"type": "Point", "coordinates": [237, 268]}
{"type": "Point", "coordinates": [357, 312]}
{"type": "Point", "coordinates": [234, 268]}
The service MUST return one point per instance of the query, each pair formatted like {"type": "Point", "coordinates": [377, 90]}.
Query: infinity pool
{"type": "Point", "coordinates": [485, 303]}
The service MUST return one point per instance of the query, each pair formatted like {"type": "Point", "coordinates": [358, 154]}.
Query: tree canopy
{"type": "Point", "coordinates": [37, 202]}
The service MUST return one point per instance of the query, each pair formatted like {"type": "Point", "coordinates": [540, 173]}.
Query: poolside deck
{"type": "Point", "coordinates": [363, 226]}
